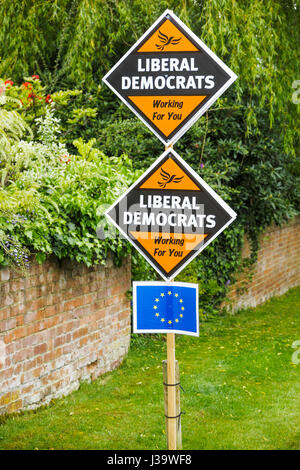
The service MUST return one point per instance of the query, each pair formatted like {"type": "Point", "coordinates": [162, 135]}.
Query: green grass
{"type": "Point", "coordinates": [241, 392]}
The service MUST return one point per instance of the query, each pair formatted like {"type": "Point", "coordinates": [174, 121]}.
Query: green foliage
{"type": "Point", "coordinates": [74, 43]}
{"type": "Point", "coordinates": [71, 194]}
{"type": "Point", "coordinates": [245, 147]}
{"type": "Point", "coordinates": [28, 99]}
{"type": "Point", "coordinates": [63, 97]}
{"type": "Point", "coordinates": [131, 136]}
{"type": "Point", "coordinates": [52, 200]}
{"type": "Point", "coordinates": [12, 129]}
{"type": "Point", "coordinates": [248, 35]}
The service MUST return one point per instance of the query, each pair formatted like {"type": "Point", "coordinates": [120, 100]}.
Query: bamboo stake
{"type": "Point", "coordinates": [178, 409]}
{"type": "Point", "coordinates": [172, 391]}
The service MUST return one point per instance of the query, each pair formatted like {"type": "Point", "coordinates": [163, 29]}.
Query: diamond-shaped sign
{"type": "Point", "coordinates": [169, 78]}
{"type": "Point", "coordinates": [170, 214]}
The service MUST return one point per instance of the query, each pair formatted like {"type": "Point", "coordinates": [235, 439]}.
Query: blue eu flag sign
{"type": "Point", "coordinates": [162, 307]}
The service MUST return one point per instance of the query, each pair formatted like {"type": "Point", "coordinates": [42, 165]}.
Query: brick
{"type": "Point", "coordinates": [62, 340]}
{"type": "Point", "coordinates": [8, 398]}
{"type": "Point", "coordinates": [50, 322]}
{"type": "Point", "coordinates": [81, 332]}
{"type": "Point", "coordinates": [72, 304]}
{"type": "Point", "coordinates": [33, 293]}
{"type": "Point", "coordinates": [31, 364]}
{"type": "Point", "coordinates": [15, 406]}
{"type": "Point", "coordinates": [33, 316]}
{"type": "Point", "coordinates": [22, 355]}
{"type": "Point", "coordinates": [17, 309]}
{"type": "Point", "coordinates": [15, 334]}
{"type": "Point", "coordinates": [36, 304]}
{"type": "Point", "coordinates": [40, 349]}
{"type": "Point", "coordinates": [6, 325]}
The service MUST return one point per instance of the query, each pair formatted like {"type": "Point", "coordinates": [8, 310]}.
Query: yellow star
{"type": "Point", "coordinates": [177, 320]}
{"type": "Point", "coordinates": [157, 314]}
{"type": "Point", "coordinates": [176, 295]}
{"type": "Point", "coordinates": [155, 307]}
{"type": "Point", "coordinates": [170, 322]}
{"type": "Point", "coordinates": [162, 294]}
{"type": "Point", "coordinates": [162, 319]}
{"type": "Point", "coordinates": [181, 315]}
{"type": "Point", "coordinates": [156, 300]}
{"type": "Point", "coordinates": [181, 301]}
{"type": "Point", "coordinates": [169, 293]}
{"type": "Point", "coordinates": [182, 308]}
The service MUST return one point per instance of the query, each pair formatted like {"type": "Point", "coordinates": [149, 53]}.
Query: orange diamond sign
{"type": "Point", "coordinates": [169, 78]}
{"type": "Point", "coordinates": [170, 214]}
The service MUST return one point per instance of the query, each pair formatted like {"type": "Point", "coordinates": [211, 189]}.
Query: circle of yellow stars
{"type": "Point", "coordinates": [156, 307]}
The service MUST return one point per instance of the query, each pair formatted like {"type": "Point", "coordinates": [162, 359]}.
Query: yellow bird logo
{"type": "Point", "coordinates": [166, 41]}
{"type": "Point", "coordinates": [168, 178]}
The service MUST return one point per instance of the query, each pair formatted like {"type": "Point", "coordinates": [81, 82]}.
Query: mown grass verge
{"type": "Point", "coordinates": [241, 391]}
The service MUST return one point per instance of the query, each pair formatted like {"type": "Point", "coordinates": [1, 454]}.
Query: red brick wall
{"type": "Point", "coordinates": [58, 326]}
{"type": "Point", "coordinates": [277, 268]}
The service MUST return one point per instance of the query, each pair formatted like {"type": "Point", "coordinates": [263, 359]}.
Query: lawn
{"type": "Point", "coordinates": [241, 391]}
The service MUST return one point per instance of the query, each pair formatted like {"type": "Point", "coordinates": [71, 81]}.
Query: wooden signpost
{"type": "Point", "coordinates": [178, 407]}
{"type": "Point", "coordinates": [169, 78]}
{"type": "Point", "coordinates": [171, 391]}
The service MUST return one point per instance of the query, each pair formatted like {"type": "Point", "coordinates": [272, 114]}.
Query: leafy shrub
{"type": "Point", "coordinates": [52, 199]}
